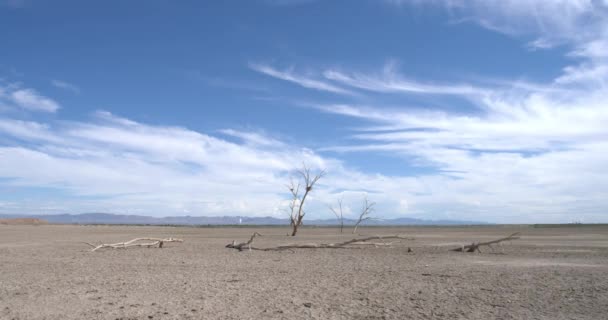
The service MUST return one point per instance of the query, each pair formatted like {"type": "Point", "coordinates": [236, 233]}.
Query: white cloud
{"type": "Point", "coordinates": [579, 23]}
{"type": "Point", "coordinates": [119, 165]}
{"type": "Point", "coordinates": [65, 86]}
{"type": "Point", "coordinates": [390, 81]}
{"type": "Point", "coordinates": [511, 171]}
{"type": "Point", "coordinates": [31, 100]}
{"type": "Point", "coordinates": [253, 138]}
{"type": "Point", "coordinates": [304, 81]}
{"type": "Point", "coordinates": [26, 130]}
{"type": "Point", "coordinates": [586, 74]}
{"type": "Point", "coordinates": [533, 153]}
{"type": "Point", "coordinates": [130, 166]}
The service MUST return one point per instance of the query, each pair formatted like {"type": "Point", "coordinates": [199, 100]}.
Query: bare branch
{"type": "Point", "coordinates": [339, 245]}
{"type": "Point", "coordinates": [475, 245]}
{"type": "Point", "coordinates": [156, 242]}
{"type": "Point", "coordinates": [367, 209]}
{"type": "Point", "coordinates": [339, 215]}
{"type": "Point", "coordinates": [240, 246]}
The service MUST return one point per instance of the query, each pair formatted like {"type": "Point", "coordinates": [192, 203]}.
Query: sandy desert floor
{"type": "Point", "coordinates": [47, 272]}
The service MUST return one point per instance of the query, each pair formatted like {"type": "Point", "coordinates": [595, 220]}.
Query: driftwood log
{"type": "Point", "coordinates": [239, 246]}
{"type": "Point", "coordinates": [338, 245]}
{"type": "Point", "coordinates": [475, 245]}
{"type": "Point", "coordinates": [137, 242]}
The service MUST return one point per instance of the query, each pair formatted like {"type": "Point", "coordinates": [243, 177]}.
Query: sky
{"type": "Point", "coordinates": [492, 111]}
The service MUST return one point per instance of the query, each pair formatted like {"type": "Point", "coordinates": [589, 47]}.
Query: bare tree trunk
{"type": "Point", "coordinates": [294, 230]}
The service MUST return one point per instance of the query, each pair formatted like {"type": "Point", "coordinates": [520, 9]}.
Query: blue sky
{"type": "Point", "coordinates": [477, 110]}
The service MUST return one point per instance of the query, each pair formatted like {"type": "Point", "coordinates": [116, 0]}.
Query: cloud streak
{"type": "Point", "coordinates": [65, 86]}
{"type": "Point", "coordinates": [301, 80]}
{"type": "Point", "coordinates": [14, 96]}
{"type": "Point", "coordinates": [390, 81]}
{"type": "Point", "coordinates": [529, 153]}
{"type": "Point", "coordinates": [134, 166]}
{"type": "Point", "coordinates": [29, 99]}
{"type": "Point", "coordinates": [538, 149]}
{"type": "Point", "coordinates": [579, 23]}
{"type": "Point", "coordinates": [119, 165]}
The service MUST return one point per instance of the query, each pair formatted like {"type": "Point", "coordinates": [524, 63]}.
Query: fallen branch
{"type": "Point", "coordinates": [339, 245]}
{"type": "Point", "coordinates": [375, 244]}
{"type": "Point", "coordinates": [240, 246]}
{"type": "Point", "coordinates": [475, 245]}
{"type": "Point", "coordinates": [153, 242]}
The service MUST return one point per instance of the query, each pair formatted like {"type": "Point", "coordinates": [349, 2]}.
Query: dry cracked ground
{"type": "Point", "coordinates": [47, 272]}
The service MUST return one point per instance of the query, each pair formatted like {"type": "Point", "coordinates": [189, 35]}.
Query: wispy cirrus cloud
{"type": "Point", "coordinates": [578, 23]}
{"type": "Point", "coordinates": [254, 138]}
{"type": "Point", "coordinates": [302, 80]}
{"type": "Point", "coordinates": [65, 86]}
{"type": "Point", "coordinates": [28, 99]}
{"type": "Point", "coordinates": [120, 165]}
{"type": "Point", "coordinates": [543, 158]}
{"type": "Point", "coordinates": [132, 166]}
{"type": "Point", "coordinates": [530, 148]}
{"type": "Point", "coordinates": [531, 153]}
{"type": "Point", "coordinates": [390, 81]}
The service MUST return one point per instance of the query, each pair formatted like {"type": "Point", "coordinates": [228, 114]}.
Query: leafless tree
{"type": "Point", "coordinates": [296, 205]}
{"type": "Point", "coordinates": [339, 214]}
{"type": "Point", "coordinates": [366, 211]}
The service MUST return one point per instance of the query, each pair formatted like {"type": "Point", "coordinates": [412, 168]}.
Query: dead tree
{"type": "Point", "coordinates": [368, 208]}
{"type": "Point", "coordinates": [475, 245]}
{"type": "Point", "coordinates": [296, 205]}
{"type": "Point", "coordinates": [155, 242]}
{"type": "Point", "coordinates": [339, 214]}
{"type": "Point", "coordinates": [339, 245]}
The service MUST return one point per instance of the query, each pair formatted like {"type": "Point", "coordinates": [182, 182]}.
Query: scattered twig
{"type": "Point", "coordinates": [153, 242]}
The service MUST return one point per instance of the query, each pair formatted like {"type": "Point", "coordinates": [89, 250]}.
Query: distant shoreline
{"type": "Point", "coordinates": [324, 226]}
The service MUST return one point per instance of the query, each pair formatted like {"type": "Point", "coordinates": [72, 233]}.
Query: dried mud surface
{"type": "Point", "coordinates": [47, 272]}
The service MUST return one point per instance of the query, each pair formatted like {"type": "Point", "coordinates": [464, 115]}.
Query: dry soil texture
{"type": "Point", "coordinates": [47, 272]}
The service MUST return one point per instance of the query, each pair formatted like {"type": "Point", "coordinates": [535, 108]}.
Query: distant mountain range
{"type": "Point", "coordinates": [108, 218]}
